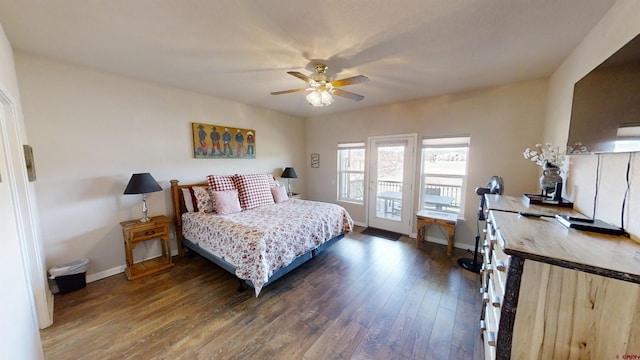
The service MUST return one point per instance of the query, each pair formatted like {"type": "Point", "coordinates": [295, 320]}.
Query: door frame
{"type": "Point", "coordinates": [25, 218]}
{"type": "Point", "coordinates": [406, 226]}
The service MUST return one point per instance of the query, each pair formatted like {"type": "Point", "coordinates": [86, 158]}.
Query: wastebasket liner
{"type": "Point", "coordinates": [71, 268]}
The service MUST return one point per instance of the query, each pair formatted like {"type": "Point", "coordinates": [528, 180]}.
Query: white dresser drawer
{"type": "Point", "coordinates": [495, 295]}
{"type": "Point", "coordinates": [490, 332]}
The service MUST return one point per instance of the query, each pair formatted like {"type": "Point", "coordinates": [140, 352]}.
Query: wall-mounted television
{"type": "Point", "coordinates": [605, 116]}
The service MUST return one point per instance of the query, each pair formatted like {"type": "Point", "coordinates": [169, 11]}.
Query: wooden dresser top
{"type": "Point", "coordinates": [517, 204]}
{"type": "Point", "coordinates": [544, 239]}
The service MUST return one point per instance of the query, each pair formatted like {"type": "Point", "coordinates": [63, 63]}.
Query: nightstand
{"type": "Point", "coordinates": [295, 196]}
{"type": "Point", "coordinates": [135, 233]}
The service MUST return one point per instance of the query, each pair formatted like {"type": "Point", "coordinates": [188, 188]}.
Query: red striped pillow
{"type": "Point", "coordinates": [254, 190]}
{"type": "Point", "coordinates": [189, 198]}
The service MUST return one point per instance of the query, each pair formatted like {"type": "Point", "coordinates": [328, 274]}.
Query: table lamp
{"type": "Point", "coordinates": [143, 184]}
{"type": "Point", "coordinates": [289, 173]}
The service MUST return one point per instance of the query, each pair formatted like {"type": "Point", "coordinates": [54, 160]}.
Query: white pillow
{"type": "Point", "coordinates": [279, 193]}
{"type": "Point", "coordinates": [188, 200]}
{"type": "Point", "coordinates": [227, 202]}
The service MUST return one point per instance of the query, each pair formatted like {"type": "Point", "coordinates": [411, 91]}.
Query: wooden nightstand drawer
{"type": "Point", "coordinates": [149, 232]}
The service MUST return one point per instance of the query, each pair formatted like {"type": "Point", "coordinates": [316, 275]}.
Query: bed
{"type": "Point", "coordinates": [258, 244]}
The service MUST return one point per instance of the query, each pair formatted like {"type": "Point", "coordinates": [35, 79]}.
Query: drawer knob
{"type": "Point", "coordinates": [495, 302]}
{"type": "Point", "coordinates": [500, 265]}
{"type": "Point", "coordinates": [485, 297]}
{"type": "Point", "coordinates": [491, 338]}
{"type": "Point", "coordinates": [489, 269]}
{"type": "Point", "coordinates": [150, 232]}
{"type": "Point", "coordinates": [483, 325]}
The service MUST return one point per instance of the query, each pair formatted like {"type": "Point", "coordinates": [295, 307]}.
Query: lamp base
{"type": "Point", "coordinates": [145, 218]}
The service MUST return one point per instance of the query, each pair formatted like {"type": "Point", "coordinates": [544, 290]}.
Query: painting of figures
{"type": "Point", "coordinates": [223, 142]}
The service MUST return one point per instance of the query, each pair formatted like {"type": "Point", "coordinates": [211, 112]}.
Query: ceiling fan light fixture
{"type": "Point", "coordinates": [326, 97]}
{"type": "Point", "coordinates": [321, 88]}
{"type": "Point", "coordinates": [319, 97]}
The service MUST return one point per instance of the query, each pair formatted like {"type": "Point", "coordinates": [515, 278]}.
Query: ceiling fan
{"type": "Point", "coordinates": [321, 87]}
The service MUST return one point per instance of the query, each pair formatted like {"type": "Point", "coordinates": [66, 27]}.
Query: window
{"type": "Point", "coordinates": [351, 172]}
{"type": "Point", "coordinates": [444, 170]}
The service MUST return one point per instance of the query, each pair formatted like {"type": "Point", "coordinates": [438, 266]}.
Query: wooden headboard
{"type": "Point", "coordinates": [179, 208]}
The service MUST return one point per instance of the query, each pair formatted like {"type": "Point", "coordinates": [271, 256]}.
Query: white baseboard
{"type": "Point", "coordinates": [459, 246]}
{"type": "Point", "coordinates": [106, 273]}
{"type": "Point", "coordinates": [462, 246]}
{"type": "Point", "coordinates": [117, 270]}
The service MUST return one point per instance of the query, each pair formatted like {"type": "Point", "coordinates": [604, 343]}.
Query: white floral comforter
{"type": "Point", "coordinates": [262, 240]}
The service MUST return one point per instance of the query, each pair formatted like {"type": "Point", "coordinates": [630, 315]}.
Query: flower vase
{"type": "Point", "coordinates": [549, 179]}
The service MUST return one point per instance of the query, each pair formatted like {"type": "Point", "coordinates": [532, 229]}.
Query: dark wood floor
{"type": "Point", "coordinates": [364, 298]}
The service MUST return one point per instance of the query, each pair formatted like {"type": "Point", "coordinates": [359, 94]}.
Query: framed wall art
{"type": "Point", "coordinates": [223, 142]}
{"type": "Point", "coordinates": [315, 160]}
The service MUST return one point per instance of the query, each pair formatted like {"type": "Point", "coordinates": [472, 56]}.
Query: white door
{"type": "Point", "coordinates": [391, 176]}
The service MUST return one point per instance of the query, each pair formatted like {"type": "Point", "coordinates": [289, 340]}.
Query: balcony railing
{"type": "Point", "coordinates": [451, 191]}
{"type": "Point", "coordinates": [445, 191]}
{"type": "Point", "coordinates": [355, 191]}
{"type": "Point", "coordinates": [384, 185]}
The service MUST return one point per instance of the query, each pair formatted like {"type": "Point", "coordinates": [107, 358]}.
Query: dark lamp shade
{"type": "Point", "coordinates": [289, 173]}
{"type": "Point", "coordinates": [142, 184]}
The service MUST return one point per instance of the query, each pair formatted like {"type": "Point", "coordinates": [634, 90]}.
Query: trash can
{"type": "Point", "coordinates": [70, 276]}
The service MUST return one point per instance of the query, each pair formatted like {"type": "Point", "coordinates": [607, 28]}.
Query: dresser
{"type": "Point", "coordinates": [550, 292]}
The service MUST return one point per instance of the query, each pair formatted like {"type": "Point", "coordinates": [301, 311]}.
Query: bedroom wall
{"type": "Point", "coordinates": [19, 336]}
{"type": "Point", "coordinates": [614, 30]}
{"type": "Point", "coordinates": [91, 130]}
{"type": "Point", "coordinates": [502, 122]}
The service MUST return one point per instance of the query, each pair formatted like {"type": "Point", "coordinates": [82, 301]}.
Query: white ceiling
{"type": "Point", "coordinates": [240, 50]}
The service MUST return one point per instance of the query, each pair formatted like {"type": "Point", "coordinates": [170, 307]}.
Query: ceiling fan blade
{"type": "Point", "coordinates": [347, 94]}
{"type": "Point", "coordinates": [300, 76]}
{"type": "Point", "coordinates": [287, 91]}
{"type": "Point", "coordinates": [352, 80]}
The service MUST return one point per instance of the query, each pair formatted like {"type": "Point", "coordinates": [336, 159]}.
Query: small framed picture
{"type": "Point", "coordinates": [315, 160]}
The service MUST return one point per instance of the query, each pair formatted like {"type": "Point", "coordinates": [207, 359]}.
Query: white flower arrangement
{"type": "Point", "coordinates": [542, 156]}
